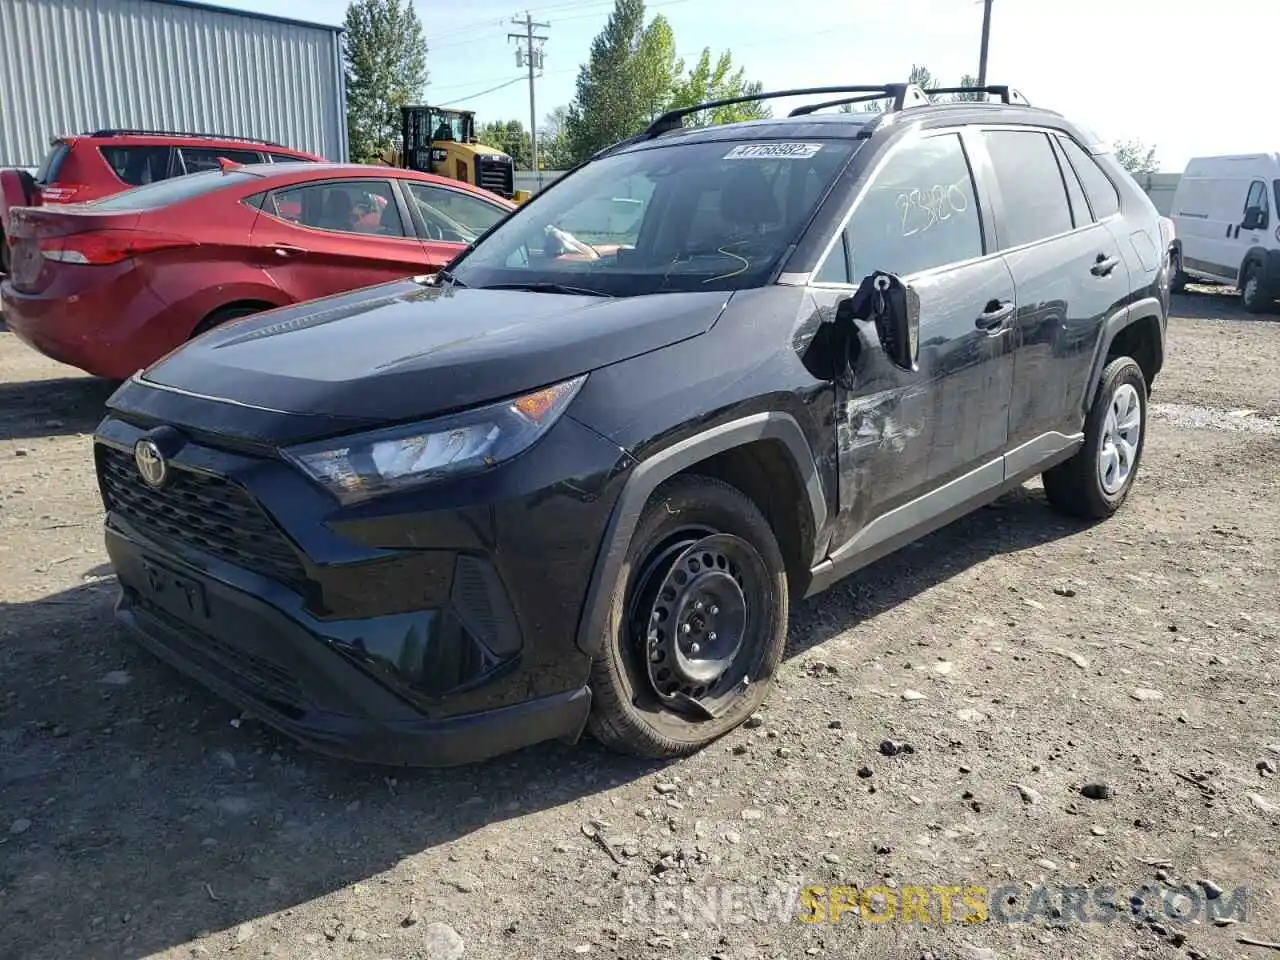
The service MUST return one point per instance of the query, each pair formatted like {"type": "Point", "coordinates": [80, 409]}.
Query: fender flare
{"type": "Point", "coordinates": [650, 473]}
{"type": "Point", "coordinates": [1269, 260]}
{"type": "Point", "coordinates": [1126, 317]}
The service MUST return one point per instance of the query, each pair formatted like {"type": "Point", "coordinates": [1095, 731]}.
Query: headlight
{"type": "Point", "coordinates": [367, 465]}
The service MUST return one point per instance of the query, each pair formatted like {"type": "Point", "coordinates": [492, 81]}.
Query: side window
{"type": "Point", "coordinates": [920, 212]}
{"type": "Point", "coordinates": [137, 165]}
{"type": "Point", "coordinates": [1080, 214]}
{"type": "Point", "coordinates": [198, 159]}
{"type": "Point", "coordinates": [349, 206]}
{"type": "Point", "coordinates": [1035, 198]}
{"type": "Point", "coordinates": [1257, 198]}
{"type": "Point", "coordinates": [285, 158]}
{"type": "Point", "coordinates": [835, 269]}
{"type": "Point", "coordinates": [1098, 187]}
{"type": "Point", "coordinates": [451, 215]}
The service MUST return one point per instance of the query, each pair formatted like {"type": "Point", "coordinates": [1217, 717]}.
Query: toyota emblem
{"type": "Point", "coordinates": [152, 466]}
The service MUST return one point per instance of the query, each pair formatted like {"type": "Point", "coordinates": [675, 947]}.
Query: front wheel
{"type": "Point", "coordinates": [1253, 296]}
{"type": "Point", "coordinates": [697, 623]}
{"type": "Point", "coordinates": [1094, 482]}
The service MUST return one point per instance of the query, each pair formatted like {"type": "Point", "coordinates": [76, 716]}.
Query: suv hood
{"type": "Point", "coordinates": [402, 351]}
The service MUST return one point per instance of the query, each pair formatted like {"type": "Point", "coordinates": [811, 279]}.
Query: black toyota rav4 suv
{"type": "Point", "coordinates": [574, 481]}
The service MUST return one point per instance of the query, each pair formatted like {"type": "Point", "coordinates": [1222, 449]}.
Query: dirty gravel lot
{"type": "Point", "coordinates": [1022, 656]}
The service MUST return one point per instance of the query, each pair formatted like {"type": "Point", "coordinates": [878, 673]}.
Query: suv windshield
{"type": "Point", "coordinates": [694, 216]}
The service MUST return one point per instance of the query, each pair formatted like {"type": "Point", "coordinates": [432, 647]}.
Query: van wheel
{"type": "Point", "coordinates": [1252, 294]}
{"type": "Point", "coordinates": [697, 623]}
{"type": "Point", "coordinates": [1094, 482]}
{"type": "Point", "coordinates": [1178, 279]}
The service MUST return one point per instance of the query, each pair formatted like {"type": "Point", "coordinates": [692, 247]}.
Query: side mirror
{"type": "Point", "coordinates": [894, 308]}
{"type": "Point", "coordinates": [1255, 218]}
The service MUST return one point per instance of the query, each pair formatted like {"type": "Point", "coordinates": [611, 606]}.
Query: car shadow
{"type": "Point", "coordinates": [1223, 301]}
{"type": "Point", "coordinates": [153, 811]}
{"type": "Point", "coordinates": [60, 406]}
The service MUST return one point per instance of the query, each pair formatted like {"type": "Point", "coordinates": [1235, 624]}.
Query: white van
{"type": "Point", "coordinates": [1225, 213]}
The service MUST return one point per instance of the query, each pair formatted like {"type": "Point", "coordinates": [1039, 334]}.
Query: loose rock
{"type": "Point", "coordinates": [1028, 794]}
{"type": "Point", "coordinates": [1145, 694]}
{"type": "Point", "coordinates": [441, 942]}
{"type": "Point", "coordinates": [358, 935]}
{"type": "Point", "coordinates": [864, 772]}
{"type": "Point", "coordinates": [21, 825]}
{"type": "Point", "coordinates": [755, 720]}
{"type": "Point", "coordinates": [911, 695]}
{"type": "Point", "coordinates": [1262, 803]}
{"type": "Point", "coordinates": [1097, 791]}
{"type": "Point", "coordinates": [1211, 890]}
{"type": "Point", "coordinates": [891, 748]}
{"type": "Point", "coordinates": [412, 918]}
{"type": "Point", "coordinates": [1267, 767]}
{"type": "Point", "coordinates": [751, 813]}
{"type": "Point", "coordinates": [244, 933]}
{"type": "Point", "coordinates": [666, 789]}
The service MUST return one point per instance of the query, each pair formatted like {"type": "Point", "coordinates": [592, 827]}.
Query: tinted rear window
{"type": "Point", "coordinates": [137, 166]}
{"type": "Point", "coordinates": [285, 158]}
{"type": "Point", "coordinates": [52, 163]}
{"type": "Point", "coordinates": [176, 190]}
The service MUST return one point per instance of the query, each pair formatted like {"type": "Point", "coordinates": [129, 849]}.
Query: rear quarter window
{"type": "Point", "coordinates": [175, 190]}
{"type": "Point", "coordinates": [137, 166]}
{"type": "Point", "coordinates": [1102, 193]}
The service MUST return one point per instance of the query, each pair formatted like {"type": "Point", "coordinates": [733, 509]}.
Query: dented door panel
{"type": "Point", "coordinates": [901, 434]}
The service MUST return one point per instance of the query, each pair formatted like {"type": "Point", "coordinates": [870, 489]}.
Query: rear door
{"type": "Point", "coordinates": [324, 237]}
{"type": "Point", "coordinates": [1069, 275]}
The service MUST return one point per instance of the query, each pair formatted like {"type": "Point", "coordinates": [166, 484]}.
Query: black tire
{"type": "Point", "coordinates": [1075, 487]}
{"type": "Point", "coordinates": [1178, 279]}
{"type": "Point", "coordinates": [1254, 296]}
{"type": "Point", "coordinates": [4, 254]}
{"type": "Point", "coordinates": [628, 714]}
{"type": "Point", "coordinates": [219, 317]}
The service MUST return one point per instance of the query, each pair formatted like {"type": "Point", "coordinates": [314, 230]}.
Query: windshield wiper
{"type": "Point", "coordinates": [548, 287]}
{"type": "Point", "coordinates": [439, 277]}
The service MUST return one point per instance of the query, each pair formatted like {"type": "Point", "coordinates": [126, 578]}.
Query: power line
{"type": "Point", "coordinates": [482, 92]}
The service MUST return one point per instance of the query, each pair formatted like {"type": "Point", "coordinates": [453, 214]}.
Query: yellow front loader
{"type": "Point", "coordinates": [443, 142]}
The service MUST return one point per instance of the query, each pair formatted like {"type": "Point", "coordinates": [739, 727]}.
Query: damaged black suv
{"type": "Point", "coordinates": [573, 482]}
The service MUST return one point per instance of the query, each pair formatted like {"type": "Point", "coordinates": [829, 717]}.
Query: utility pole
{"type": "Point", "coordinates": [533, 55]}
{"type": "Point", "coordinates": [986, 42]}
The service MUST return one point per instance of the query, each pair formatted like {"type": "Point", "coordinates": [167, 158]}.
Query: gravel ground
{"type": "Point", "coordinates": [1020, 656]}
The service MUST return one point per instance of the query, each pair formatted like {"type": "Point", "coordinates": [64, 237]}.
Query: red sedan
{"type": "Point", "coordinates": [113, 285]}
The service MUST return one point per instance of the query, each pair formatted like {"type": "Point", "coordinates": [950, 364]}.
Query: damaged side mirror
{"type": "Point", "coordinates": [894, 308]}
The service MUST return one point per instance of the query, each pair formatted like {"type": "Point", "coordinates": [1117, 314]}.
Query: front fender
{"type": "Point", "coordinates": [649, 474]}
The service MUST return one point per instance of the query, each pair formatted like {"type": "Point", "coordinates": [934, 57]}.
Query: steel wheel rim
{"type": "Point", "coordinates": [1121, 436]}
{"type": "Point", "coordinates": [692, 621]}
{"type": "Point", "coordinates": [1251, 288]}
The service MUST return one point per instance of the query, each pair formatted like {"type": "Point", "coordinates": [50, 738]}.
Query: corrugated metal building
{"type": "Point", "coordinates": [72, 66]}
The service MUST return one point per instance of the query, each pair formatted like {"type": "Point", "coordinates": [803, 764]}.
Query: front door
{"type": "Point", "coordinates": [913, 444]}
{"type": "Point", "coordinates": [317, 239]}
{"type": "Point", "coordinates": [1070, 275]}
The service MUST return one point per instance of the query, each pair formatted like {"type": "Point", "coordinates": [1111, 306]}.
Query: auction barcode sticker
{"type": "Point", "coordinates": [773, 151]}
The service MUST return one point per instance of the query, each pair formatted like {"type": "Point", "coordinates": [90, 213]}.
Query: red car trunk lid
{"type": "Point", "coordinates": [43, 239]}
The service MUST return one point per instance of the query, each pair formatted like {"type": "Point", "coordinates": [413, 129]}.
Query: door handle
{"type": "Point", "coordinates": [1103, 266]}
{"type": "Point", "coordinates": [996, 315]}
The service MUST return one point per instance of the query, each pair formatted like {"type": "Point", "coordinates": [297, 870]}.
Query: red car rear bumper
{"type": "Point", "coordinates": [111, 329]}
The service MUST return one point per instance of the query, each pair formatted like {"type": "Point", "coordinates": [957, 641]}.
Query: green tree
{"type": "Point", "coordinates": [968, 80]}
{"type": "Point", "coordinates": [720, 82]}
{"type": "Point", "coordinates": [385, 61]}
{"type": "Point", "coordinates": [553, 141]}
{"type": "Point", "coordinates": [1136, 157]}
{"type": "Point", "coordinates": [610, 104]}
{"type": "Point", "coordinates": [510, 137]}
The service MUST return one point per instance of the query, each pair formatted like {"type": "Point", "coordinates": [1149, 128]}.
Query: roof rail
{"type": "Point", "coordinates": [1006, 94]}
{"type": "Point", "coordinates": [903, 94]}
{"type": "Point", "coordinates": [114, 132]}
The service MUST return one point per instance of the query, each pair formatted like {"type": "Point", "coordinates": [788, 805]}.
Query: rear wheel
{"type": "Point", "coordinates": [1178, 279]}
{"type": "Point", "coordinates": [1094, 482]}
{"type": "Point", "coordinates": [1254, 296]}
{"type": "Point", "coordinates": [697, 623]}
{"type": "Point", "coordinates": [219, 317]}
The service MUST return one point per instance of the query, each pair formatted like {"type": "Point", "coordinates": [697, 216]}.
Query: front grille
{"type": "Point", "coordinates": [496, 174]}
{"type": "Point", "coordinates": [200, 511]}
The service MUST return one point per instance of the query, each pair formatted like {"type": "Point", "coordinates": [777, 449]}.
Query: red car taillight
{"type": "Point", "coordinates": [107, 246]}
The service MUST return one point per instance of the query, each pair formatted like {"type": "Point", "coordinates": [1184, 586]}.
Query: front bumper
{"type": "Point", "coordinates": [430, 628]}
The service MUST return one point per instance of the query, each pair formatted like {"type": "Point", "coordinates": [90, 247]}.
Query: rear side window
{"type": "Point", "coordinates": [919, 213]}
{"type": "Point", "coordinates": [137, 166]}
{"type": "Point", "coordinates": [1035, 198]}
{"type": "Point", "coordinates": [285, 158]}
{"type": "Point", "coordinates": [199, 159]}
{"type": "Point", "coordinates": [1102, 193]}
{"type": "Point", "coordinates": [173, 190]}
{"type": "Point", "coordinates": [52, 163]}
{"type": "Point", "coordinates": [348, 206]}
{"type": "Point", "coordinates": [1075, 192]}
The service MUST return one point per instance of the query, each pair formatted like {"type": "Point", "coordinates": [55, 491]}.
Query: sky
{"type": "Point", "coordinates": [1127, 69]}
